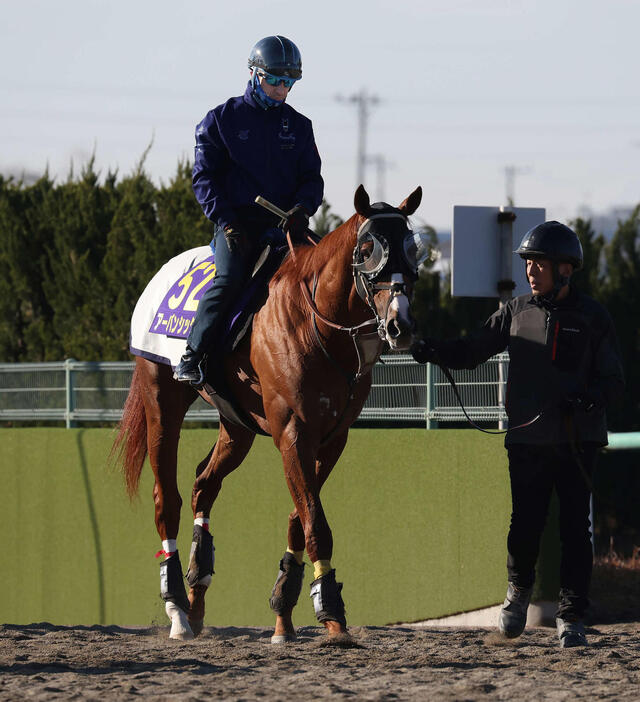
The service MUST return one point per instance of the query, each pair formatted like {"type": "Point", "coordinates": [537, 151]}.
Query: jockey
{"type": "Point", "coordinates": [251, 145]}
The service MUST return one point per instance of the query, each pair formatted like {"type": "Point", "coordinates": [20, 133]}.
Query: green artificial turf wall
{"type": "Point", "coordinates": [419, 521]}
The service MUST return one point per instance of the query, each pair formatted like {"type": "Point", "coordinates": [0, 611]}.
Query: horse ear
{"type": "Point", "coordinates": [410, 205]}
{"type": "Point", "coordinates": [361, 201]}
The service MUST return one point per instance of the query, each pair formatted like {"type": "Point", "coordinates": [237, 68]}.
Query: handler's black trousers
{"type": "Point", "coordinates": [535, 471]}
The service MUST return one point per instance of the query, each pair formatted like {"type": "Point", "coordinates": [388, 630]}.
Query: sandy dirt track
{"type": "Point", "coordinates": [41, 661]}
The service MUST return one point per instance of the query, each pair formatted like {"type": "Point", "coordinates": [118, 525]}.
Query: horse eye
{"type": "Point", "coordinates": [366, 250]}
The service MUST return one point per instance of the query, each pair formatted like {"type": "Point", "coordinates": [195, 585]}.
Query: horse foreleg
{"type": "Point", "coordinates": [230, 450]}
{"type": "Point", "coordinates": [308, 527]}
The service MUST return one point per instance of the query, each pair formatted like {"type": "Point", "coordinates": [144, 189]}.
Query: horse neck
{"type": "Point", "coordinates": [336, 296]}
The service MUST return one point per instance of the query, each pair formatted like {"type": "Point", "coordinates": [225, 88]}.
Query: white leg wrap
{"type": "Point", "coordinates": [169, 546]}
{"type": "Point", "coordinates": [180, 628]}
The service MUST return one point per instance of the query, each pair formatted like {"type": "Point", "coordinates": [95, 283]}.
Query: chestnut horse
{"type": "Point", "coordinates": [302, 376]}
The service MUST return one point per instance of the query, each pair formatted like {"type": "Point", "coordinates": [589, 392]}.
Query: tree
{"type": "Point", "coordinates": [324, 220]}
{"type": "Point", "coordinates": [26, 315]}
{"type": "Point", "coordinates": [621, 296]}
{"type": "Point", "coordinates": [78, 214]}
{"type": "Point", "coordinates": [590, 278]}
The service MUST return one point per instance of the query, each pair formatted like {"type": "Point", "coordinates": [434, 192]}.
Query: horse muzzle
{"type": "Point", "coordinates": [399, 323]}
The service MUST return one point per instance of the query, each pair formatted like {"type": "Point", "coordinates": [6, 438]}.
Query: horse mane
{"type": "Point", "coordinates": [312, 259]}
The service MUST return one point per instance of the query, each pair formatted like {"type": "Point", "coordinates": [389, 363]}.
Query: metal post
{"type": "Point", "coordinates": [591, 522]}
{"type": "Point", "coordinates": [363, 102]}
{"type": "Point", "coordinates": [505, 285]}
{"type": "Point", "coordinates": [431, 424]}
{"type": "Point", "coordinates": [70, 396]}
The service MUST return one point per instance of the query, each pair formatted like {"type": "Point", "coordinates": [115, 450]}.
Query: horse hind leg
{"type": "Point", "coordinates": [166, 403]}
{"type": "Point", "coordinates": [230, 450]}
{"type": "Point", "coordinates": [288, 585]}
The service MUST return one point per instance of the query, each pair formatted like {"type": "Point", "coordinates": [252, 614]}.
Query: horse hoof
{"type": "Point", "coordinates": [196, 626]}
{"type": "Point", "coordinates": [180, 628]}
{"type": "Point", "coordinates": [283, 638]}
{"type": "Point", "coordinates": [180, 635]}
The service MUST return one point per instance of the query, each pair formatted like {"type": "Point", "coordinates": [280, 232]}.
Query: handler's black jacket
{"type": "Point", "coordinates": [556, 350]}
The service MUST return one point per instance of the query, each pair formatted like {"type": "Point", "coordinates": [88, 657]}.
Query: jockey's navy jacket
{"type": "Point", "coordinates": [243, 150]}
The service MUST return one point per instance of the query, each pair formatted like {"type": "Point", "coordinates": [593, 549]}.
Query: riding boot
{"type": "Point", "coordinates": [570, 634]}
{"type": "Point", "coordinates": [192, 368]}
{"type": "Point", "coordinates": [513, 615]}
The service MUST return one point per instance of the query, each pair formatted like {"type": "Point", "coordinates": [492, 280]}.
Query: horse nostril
{"type": "Point", "coordinates": [393, 329]}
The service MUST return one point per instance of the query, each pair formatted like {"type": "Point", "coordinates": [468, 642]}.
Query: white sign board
{"type": "Point", "coordinates": [475, 249]}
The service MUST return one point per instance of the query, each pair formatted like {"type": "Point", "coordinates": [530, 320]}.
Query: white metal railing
{"type": "Point", "coordinates": [86, 391]}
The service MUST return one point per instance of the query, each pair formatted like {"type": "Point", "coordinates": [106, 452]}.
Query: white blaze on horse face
{"type": "Point", "coordinates": [398, 323]}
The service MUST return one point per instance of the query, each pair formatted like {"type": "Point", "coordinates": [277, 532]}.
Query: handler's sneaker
{"type": "Point", "coordinates": [513, 615]}
{"type": "Point", "coordinates": [571, 634]}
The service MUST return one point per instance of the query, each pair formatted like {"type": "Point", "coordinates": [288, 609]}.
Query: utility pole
{"type": "Point", "coordinates": [510, 173]}
{"type": "Point", "coordinates": [381, 164]}
{"type": "Point", "coordinates": [363, 103]}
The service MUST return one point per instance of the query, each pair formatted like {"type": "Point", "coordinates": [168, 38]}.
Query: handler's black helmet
{"type": "Point", "coordinates": [277, 55]}
{"type": "Point", "coordinates": [554, 241]}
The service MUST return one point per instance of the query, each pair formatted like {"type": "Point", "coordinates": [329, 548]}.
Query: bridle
{"type": "Point", "coordinates": [365, 272]}
{"type": "Point", "coordinates": [366, 285]}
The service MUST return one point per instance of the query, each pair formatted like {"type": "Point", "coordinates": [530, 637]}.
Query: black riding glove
{"type": "Point", "coordinates": [425, 350]}
{"type": "Point", "coordinates": [296, 223]}
{"type": "Point", "coordinates": [237, 241]}
{"type": "Point", "coordinates": [582, 401]}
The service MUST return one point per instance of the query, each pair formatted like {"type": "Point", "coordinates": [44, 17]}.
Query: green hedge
{"type": "Point", "coordinates": [419, 521]}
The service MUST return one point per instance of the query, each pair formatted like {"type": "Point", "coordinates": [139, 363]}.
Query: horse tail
{"type": "Point", "coordinates": [130, 446]}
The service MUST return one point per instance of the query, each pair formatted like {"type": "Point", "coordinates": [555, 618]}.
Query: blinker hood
{"type": "Point", "coordinates": [377, 244]}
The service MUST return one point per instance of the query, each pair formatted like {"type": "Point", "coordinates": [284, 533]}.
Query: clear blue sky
{"type": "Point", "coordinates": [467, 87]}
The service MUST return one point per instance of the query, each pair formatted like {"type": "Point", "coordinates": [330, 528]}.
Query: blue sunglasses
{"type": "Point", "coordinates": [276, 80]}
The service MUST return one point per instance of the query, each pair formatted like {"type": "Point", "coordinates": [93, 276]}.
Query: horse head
{"type": "Point", "coordinates": [385, 263]}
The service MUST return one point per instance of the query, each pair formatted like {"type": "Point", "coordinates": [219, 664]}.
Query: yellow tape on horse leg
{"type": "Point", "coordinates": [321, 568]}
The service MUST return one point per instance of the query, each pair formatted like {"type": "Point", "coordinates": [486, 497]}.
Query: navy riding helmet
{"type": "Point", "coordinates": [278, 56]}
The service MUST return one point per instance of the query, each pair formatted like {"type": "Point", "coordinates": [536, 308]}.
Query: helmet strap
{"type": "Point", "coordinates": [559, 281]}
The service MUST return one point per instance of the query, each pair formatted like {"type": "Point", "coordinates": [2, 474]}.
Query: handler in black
{"type": "Point", "coordinates": [565, 366]}
{"type": "Point", "coordinates": [253, 144]}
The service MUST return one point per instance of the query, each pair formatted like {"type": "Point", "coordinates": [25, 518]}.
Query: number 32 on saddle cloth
{"type": "Point", "coordinates": [166, 309]}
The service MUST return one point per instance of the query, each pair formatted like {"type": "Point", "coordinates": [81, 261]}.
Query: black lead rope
{"type": "Point", "coordinates": [569, 426]}
{"type": "Point", "coordinates": [576, 452]}
{"type": "Point", "coordinates": [452, 382]}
